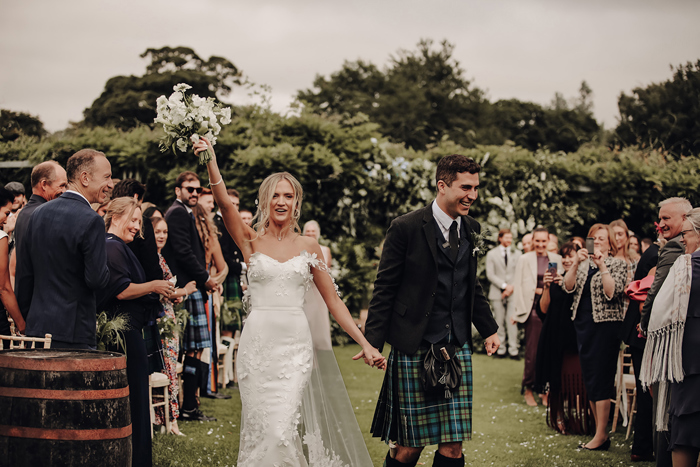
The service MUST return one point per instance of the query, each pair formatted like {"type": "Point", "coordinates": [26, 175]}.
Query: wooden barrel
{"type": "Point", "coordinates": [64, 407]}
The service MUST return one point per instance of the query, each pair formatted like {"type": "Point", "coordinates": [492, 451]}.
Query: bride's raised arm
{"type": "Point", "coordinates": [340, 312]}
{"type": "Point", "coordinates": [240, 232]}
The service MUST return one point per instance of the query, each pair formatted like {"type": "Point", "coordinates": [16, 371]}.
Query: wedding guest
{"type": "Point", "coordinates": [674, 337]}
{"type": "Point", "coordinates": [151, 211]}
{"type": "Point", "coordinates": [58, 274]}
{"type": "Point", "coordinates": [143, 246]}
{"type": "Point", "coordinates": [672, 213]}
{"type": "Point", "coordinates": [8, 301]}
{"type": "Point", "coordinates": [312, 229]}
{"type": "Point", "coordinates": [642, 444]}
{"type": "Point", "coordinates": [247, 217]}
{"type": "Point", "coordinates": [527, 243]}
{"type": "Point", "coordinates": [554, 239]}
{"type": "Point", "coordinates": [558, 370]}
{"type": "Point", "coordinates": [171, 345]}
{"type": "Point", "coordinates": [217, 269]}
{"type": "Point", "coordinates": [528, 283]}
{"type": "Point", "coordinates": [130, 294]}
{"type": "Point", "coordinates": [597, 282]}
{"type": "Point", "coordinates": [184, 253]}
{"type": "Point", "coordinates": [621, 239]}
{"type": "Point", "coordinates": [645, 243]}
{"type": "Point", "coordinates": [17, 190]}
{"type": "Point", "coordinates": [500, 271]}
{"type": "Point", "coordinates": [48, 181]}
{"type": "Point", "coordinates": [635, 249]}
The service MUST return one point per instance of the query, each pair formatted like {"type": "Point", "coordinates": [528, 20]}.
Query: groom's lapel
{"type": "Point", "coordinates": [429, 231]}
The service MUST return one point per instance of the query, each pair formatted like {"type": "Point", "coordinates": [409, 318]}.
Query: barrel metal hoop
{"type": "Point", "coordinates": [64, 394]}
{"type": "Point", "coordinates": [69, 435]}
{"type": "Point", "coordinates": [50, 364]}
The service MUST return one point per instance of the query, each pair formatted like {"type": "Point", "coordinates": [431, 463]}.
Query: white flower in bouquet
{"type": "Point", "coordinates": [187, 117]}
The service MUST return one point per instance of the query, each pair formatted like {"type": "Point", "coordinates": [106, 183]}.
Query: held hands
{"type": "Point", "coordinates": [372, 357]}
{"type": "Point", "coordinates": [492, 343]}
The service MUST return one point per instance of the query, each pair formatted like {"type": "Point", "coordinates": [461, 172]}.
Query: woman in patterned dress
{"type": "Point", "coordinates": [171, 345]}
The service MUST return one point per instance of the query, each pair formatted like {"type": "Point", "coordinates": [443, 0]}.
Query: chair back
{"type": "Point", "coordinates": [23, 342]}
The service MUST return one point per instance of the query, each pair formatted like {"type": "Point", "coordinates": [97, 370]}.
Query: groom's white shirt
{"type": "Point", "coordinates": [444, 221]}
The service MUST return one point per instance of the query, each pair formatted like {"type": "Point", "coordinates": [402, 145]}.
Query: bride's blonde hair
{"type": "Point", "coordinates": [261, 221]}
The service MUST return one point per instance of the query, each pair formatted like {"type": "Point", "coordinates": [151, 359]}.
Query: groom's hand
{"type": "Point", "coordinates": [492, 343]}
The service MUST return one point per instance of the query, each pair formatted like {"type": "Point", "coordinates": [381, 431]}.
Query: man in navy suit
{"type": "Point", "coordinates": [62, 261]}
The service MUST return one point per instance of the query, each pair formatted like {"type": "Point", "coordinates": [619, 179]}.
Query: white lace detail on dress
{"type": "Point", "coordinates": [318, 455]}
{"type": "Point", "coordinates": [279, 372]}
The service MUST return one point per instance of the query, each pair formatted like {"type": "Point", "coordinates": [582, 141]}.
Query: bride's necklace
{"type": "Point", "coordinates": [281, 237]}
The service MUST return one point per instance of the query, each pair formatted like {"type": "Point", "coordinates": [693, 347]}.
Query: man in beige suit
{"type": "Point", "coordinates": [528, 287]}
{"type": "Point", "coordinates": [500, 270]}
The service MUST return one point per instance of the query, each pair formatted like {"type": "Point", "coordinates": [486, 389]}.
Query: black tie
{"type": "Point", "coordinates": [454, 241]}
{"type": "Point", "coordinates": [506, 258]}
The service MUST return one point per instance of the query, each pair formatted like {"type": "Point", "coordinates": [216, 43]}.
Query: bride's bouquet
{"type": "Point", "coordinates": [187, 117]}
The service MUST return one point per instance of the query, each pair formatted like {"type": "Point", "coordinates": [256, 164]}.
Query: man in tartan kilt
{"type": "Point", "coordinates": [427, 294]}
{"type": "Point", "coordinates": [184, 254]}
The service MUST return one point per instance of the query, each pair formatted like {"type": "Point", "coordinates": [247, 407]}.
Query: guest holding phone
{"type": "Point", "coordinates": [597, 281]}
{"type": "Point", "coordinates": [528, 283]}
{"type": "Point", "coordinates": [558, 371]}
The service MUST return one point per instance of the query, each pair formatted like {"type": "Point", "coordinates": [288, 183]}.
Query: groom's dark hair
{"type": "Point", "coordinates": [450, 166]}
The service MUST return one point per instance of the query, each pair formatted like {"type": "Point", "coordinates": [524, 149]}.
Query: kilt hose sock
{"type": "Point", "coordinates": [190, 382]}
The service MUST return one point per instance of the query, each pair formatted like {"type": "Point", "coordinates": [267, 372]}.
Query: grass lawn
{"type": "Point", "coordinates": [506, 432]}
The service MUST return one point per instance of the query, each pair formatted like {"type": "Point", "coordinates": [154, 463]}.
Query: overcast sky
{"type": "Point", "coordinates": [57, 55]}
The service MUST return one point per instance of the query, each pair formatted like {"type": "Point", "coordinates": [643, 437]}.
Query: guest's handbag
{"type": "Point", "coordinates": [638, 290]}
{"type": "Point", "coordinates": [441, 372]}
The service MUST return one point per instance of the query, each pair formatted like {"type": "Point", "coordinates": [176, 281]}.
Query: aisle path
{"type": "Point", "coordinates": [506, 432]}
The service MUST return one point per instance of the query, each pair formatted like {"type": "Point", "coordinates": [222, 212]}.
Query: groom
{"type": "Point", "coordinates": [427, 292]}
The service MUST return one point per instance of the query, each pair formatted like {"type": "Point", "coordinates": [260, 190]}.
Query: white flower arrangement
{"type": "Point", "coordinates": [186, 118]}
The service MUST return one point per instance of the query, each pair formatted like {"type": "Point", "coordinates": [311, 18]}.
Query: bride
{"type": "Point", "coordinates": [295, 409]}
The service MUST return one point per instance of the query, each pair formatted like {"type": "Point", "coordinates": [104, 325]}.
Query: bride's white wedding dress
{"type": "Point", "coordinates": [295, 409]}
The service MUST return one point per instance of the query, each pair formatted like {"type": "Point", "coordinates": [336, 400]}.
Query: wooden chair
{"type": "Point", "coordinates": [22, 342]}
{"type": "Point", "coordinates": [625, 389]}
{"type": "Point", "coordinates": [159, 381]}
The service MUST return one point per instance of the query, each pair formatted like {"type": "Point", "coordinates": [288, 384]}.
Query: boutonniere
{"type": "Point", "coordinates": [478, 244]}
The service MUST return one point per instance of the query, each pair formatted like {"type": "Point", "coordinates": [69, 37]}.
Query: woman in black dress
{"type": "Point", "coordinates": [597, 283]}
{"type": "Point", "coordinates": [129, 294]}
{"type": "Point", "coordinates": [558, 371]}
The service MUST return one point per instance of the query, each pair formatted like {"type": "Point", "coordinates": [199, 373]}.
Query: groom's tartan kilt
{"type": "Point", "coordinates": [408, 416]}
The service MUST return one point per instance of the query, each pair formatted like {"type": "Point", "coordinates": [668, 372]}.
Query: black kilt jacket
{"type": "Point", "coordinates": [404, 291]}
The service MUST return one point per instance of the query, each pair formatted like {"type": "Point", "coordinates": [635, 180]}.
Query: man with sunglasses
{"type": "Point", "coordinates": [184, 253]}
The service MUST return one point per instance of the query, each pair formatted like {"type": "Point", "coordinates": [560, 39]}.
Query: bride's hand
{"type": "Point", "coordinates": [202, 145]}
{"type": "Point", "coordinates": [372, 357]}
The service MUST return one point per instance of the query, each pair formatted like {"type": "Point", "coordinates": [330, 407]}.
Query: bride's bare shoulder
{"type": "Point", "coordinates": [307, 243]}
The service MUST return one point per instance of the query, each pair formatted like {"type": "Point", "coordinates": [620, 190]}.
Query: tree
{"type": "Point", "coordinates": [15, 124]}
{"type": "Point", "coordinates": [420, 98]}
{"type": "Point", "coordinates": [665, 115]}
{"type": "Point", "coordinates": [129, 101]}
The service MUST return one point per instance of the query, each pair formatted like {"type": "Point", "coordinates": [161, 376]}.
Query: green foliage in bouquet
{"type": "Point", "coordinates": [110, 331]}
{"type": "Point", "coordinates": [169, 327]}
{"type": "Point", "coordinates": [231, 313]}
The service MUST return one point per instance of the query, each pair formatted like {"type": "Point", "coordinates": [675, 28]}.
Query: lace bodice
{"type": "Point", "coordinates": [288, 280]}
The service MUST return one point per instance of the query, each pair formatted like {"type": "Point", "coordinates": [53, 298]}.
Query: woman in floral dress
{"type": "Point", "coordinates": [171, 345]}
